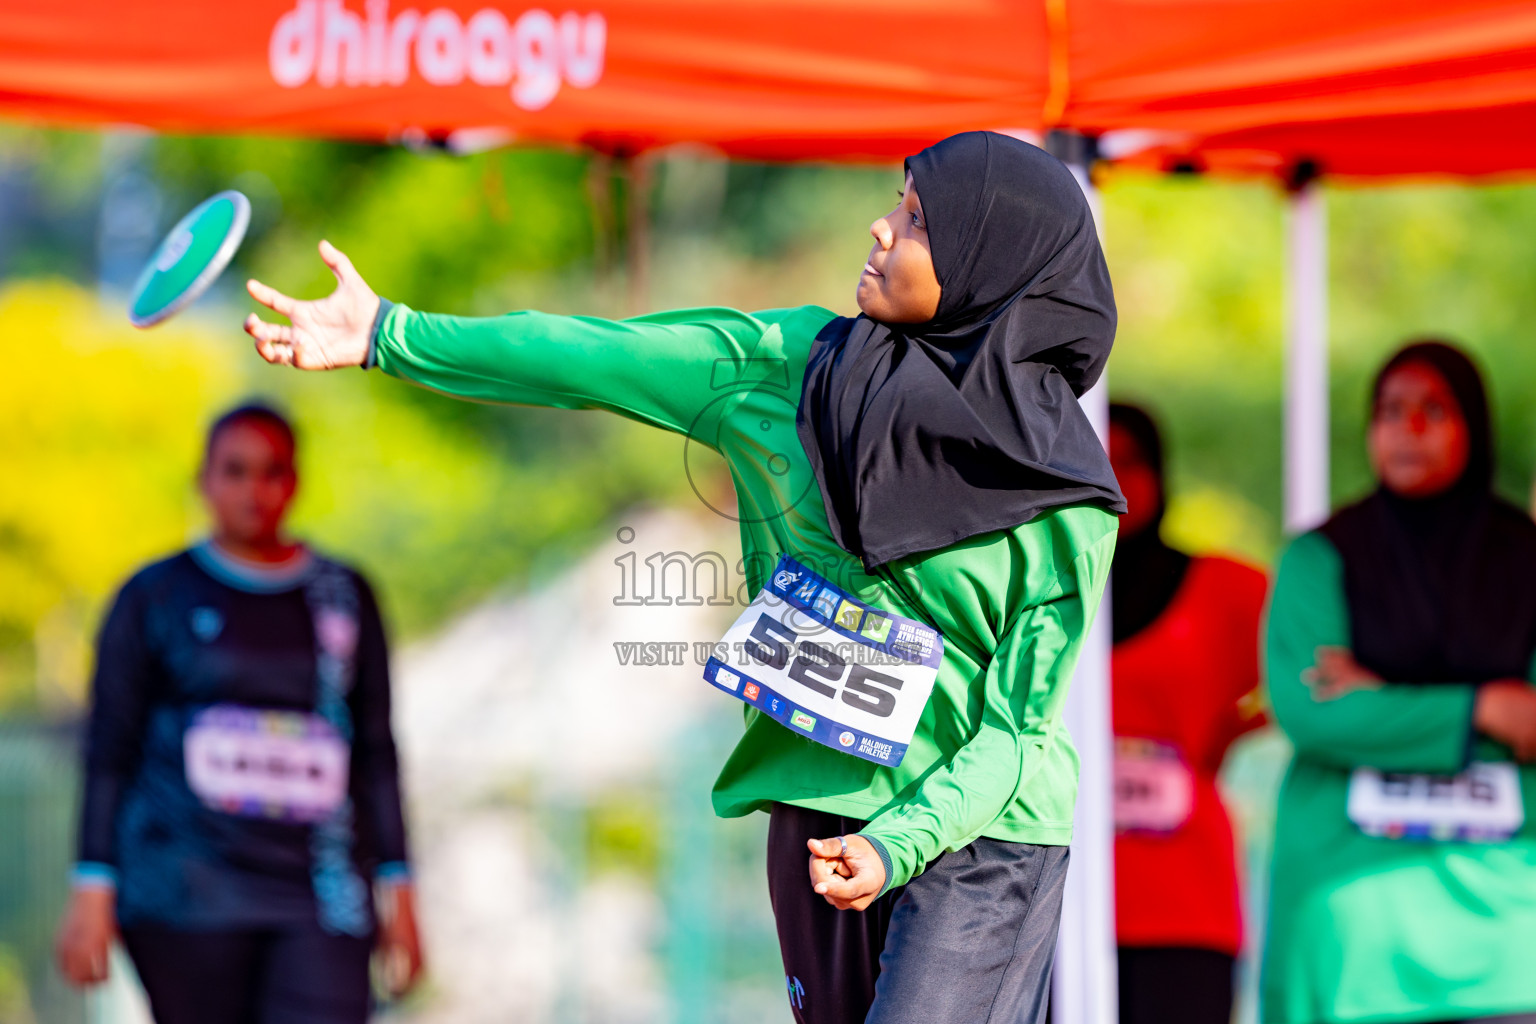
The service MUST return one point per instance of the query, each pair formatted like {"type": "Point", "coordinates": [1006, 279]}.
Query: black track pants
{"type": "Point", "coordinates": [968, 941]}
{"type": "Point", "coordinates": [297, 976]}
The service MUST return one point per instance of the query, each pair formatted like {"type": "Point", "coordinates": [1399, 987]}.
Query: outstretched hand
{"type": "Point", "coordinates": [324, 334]}
{"type": "Point", "coordinates": [848, 877]}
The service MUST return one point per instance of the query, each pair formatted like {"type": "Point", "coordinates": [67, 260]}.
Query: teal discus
{"type": "Point", "coordinates": [192, 256]}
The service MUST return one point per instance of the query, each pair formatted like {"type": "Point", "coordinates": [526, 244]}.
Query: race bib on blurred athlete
{"type": "Point", "coordinates": [829, 667]}
{"type": "Point", "coordinates": [1482, 804]}
{"type": "Point", "coordinates": [282, 765]}
{"type": "Point", "coordinates": [1154, 789]}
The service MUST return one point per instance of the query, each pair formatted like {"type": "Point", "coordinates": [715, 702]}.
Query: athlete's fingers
{"type": "Point", "coordinates": [846, 890]}
{"type": "Point", "coordinates": [822, 872]}
{"type": "Point", "coordinates": [827, 857]}
{"type": "Point", "coordinates": [271, 297]}
{"type": "Point", "coordinates": [261, 330]}
{"type": "Point", "coordinates": [274, 342]}
{"type": "Point", "coordinates": [337, 260]}
{"type": "Point", "coordinates": [825, 847]}
{"type": "Point", "coordinates": [306, 356]}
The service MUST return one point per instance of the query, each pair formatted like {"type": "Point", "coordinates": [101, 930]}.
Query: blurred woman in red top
{"type": "Point", "coordinates": [1186, 677]}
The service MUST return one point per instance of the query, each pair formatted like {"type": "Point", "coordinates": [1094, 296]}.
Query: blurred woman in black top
{"type": "Point", "coordinates": [242, 797]}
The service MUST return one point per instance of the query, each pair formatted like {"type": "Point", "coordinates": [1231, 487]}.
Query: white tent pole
{"type": "Point", "coordinates": [1085, 988]}
{"type": "Point", "coordinates": [1306, 360]}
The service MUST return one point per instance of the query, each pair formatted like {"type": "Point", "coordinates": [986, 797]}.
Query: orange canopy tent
{"type": "Point", "coordinates": [1361, 87]}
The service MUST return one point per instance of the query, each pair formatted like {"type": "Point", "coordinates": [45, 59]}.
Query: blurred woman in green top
{"type": "Point", "coordinates": [1400, 644]}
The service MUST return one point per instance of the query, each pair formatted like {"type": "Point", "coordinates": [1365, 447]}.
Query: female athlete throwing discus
{"type": "Point", "coordinates": [929, 518]}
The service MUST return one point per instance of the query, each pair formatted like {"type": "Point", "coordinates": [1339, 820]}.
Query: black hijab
{"type": "Point", "coordinates": [1441, 589]}
{"type": "Point", "coordinates": [1147, 573]}
{"type": "Point", "coordinates": [923, 435]}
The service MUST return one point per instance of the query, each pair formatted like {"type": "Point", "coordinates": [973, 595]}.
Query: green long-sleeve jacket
{"type": "Point", "coordinates": [990, 756]}
{"type": "Point", "coordinates": [1374, 929]}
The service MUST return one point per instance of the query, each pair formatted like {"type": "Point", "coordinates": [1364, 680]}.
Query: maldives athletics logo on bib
{"type": "Point", "coordinates": [534, 52]}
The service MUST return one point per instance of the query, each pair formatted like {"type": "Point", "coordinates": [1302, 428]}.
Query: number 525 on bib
{"type": "Point", "coordinates": [826, 665]}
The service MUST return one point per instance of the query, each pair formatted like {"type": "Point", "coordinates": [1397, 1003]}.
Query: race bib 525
{"type": "Point", "coordinates": [827, 666]}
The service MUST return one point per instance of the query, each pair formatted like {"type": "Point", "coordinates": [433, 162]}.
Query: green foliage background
{"type": "Point", "coordinates": [443, 501]}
